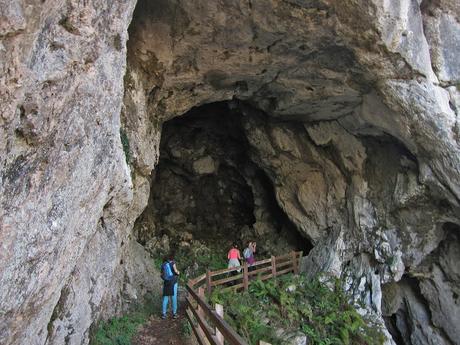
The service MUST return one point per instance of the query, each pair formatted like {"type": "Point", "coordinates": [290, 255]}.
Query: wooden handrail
{"type": "Point", "coordinates": [219, 328]}
{"type": "Point", "coordinates": [224, 270]}
{"type": "Point", "coordinates": [260, 270]}
{"type": "Point", "coordinates": [232, 269]}
{"type": "Point", "coordinates": [229, 334]}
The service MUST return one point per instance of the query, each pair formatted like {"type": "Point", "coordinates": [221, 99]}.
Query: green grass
{"type": "Point", "coordinates": [312, 308]}
{"type": "Point", "coordinates": [121, 330]}
{"type": "Point", "coordinates": [186, 328]}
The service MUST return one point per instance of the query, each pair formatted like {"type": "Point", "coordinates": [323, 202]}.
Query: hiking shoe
{"type": "Point", "coordinates": [163, 317]}
{"type": "Point", "coordinates": [175, 316]}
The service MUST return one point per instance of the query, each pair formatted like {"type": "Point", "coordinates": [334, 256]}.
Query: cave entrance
{"type": "Point", "coordinates": [206, 190]}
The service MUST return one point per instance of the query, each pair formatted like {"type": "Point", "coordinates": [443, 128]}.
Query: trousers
{"type": "Point", "coordinates": [174, 301]}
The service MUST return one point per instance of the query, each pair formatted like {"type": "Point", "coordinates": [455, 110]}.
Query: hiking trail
{"type": "Point", "coordinates": [163, 332]}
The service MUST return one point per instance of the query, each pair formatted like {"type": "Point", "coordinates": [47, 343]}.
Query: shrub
{"type": "Point", "coordinates": [295, 303]}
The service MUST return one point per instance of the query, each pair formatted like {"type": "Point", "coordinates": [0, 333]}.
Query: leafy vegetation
{"type": "Point", "coordinates": [245, 315]}
{"type": "Point", "coordinates": [293, 304]}
{"type": "Point", "coordinates": [120, 330]}
{"type": "Point", "coordinates": [193, 262]}
{"type": "Point", "coordinates": [186, 328]}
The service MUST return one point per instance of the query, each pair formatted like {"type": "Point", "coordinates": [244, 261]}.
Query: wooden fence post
{"type": "Point", "coordinates": [295, 266]}
{"type": "Point", "coordinates": [219, 336]}
{"type": "Point", "coordinates": [208, 282]}
{"type": "Point", "coordinates": [273, 266]}
{"type": "Point", "coordinates": [245, 277]}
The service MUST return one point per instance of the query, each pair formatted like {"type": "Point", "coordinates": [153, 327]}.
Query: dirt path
{"type": "Point", "coordinates": [165, 332]}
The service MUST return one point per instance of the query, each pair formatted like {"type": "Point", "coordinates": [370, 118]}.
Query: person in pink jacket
{"type": "Point", "coordinates": [234, 257]}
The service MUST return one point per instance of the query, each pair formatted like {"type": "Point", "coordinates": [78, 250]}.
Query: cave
{"type": "Point", "coordinates": [206, 190]}
{"type": "Point", "coordinates": [133, 128]}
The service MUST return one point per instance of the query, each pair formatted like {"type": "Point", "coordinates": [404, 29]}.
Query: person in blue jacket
{"type": "Point", "coordinates": [169, 274]}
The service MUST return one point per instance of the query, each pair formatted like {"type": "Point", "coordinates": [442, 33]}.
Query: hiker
{"type": "Point", "coordinates": [234, 258]}
{"type": "Point", "coordinates": [248, 254]}
{"type": "Point", "coordinates": [169, 273]}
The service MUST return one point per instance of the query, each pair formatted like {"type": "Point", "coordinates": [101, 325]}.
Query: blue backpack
{"type": "Point", "coordinates": [166, 271]}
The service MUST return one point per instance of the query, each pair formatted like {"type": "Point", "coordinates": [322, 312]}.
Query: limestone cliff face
{"type": "Point", "coordinates": [361, 145]}
{"type": "Point", "coordinates": [64, 183]}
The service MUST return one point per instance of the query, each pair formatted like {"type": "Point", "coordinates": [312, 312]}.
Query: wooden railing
{"type": "Point", "coordinates": [208, 324]}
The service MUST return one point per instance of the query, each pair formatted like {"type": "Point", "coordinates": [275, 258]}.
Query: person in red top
{"type": "Point", "coordinates": [234, 257]}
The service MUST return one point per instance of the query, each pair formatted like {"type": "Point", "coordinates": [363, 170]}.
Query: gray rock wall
{"type": "Point", "coordinates": [64, 183]}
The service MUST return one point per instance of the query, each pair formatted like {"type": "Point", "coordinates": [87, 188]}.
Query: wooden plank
{"type": "Point", "coordinates": [273, 266]}
{"type": "Point", "coordinates": [283, 264]}
{"type": "Point", "coordinates": [224, 270]}
{"type": "Point", "coordinates": [230, 335]}
{"type": "Point", "coordinates": [236, 287]}
{"type": "Point", "coordinates": [200, 312]}
{"type": "Point", "coordinates": [287, 270]}
{"type": "Point", "coordinates": [261, 262]}
{"type": "Point", "coordinates": [269, 276]}
{"type": "Point", "coordinates": [197, 280]}
{"type": "Point", "coordinates": [219, 336]}
{"type": "Point", "coordinates": [203, 325]}
{"type": "Point", "coordinates": [227, 270]}
{"type": "Point", "coordinates": [195, 328]}
{"type": "Point", "coordinates": [260, 270]}
{"type": "Point", "coordinates": [200, 278]}
{"type": "Point", "coordinates": [294, 263]}
{"type": "Point", "coordinates": [261, 342]}
{"type": "Point", "coordinates": [226, 280]}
